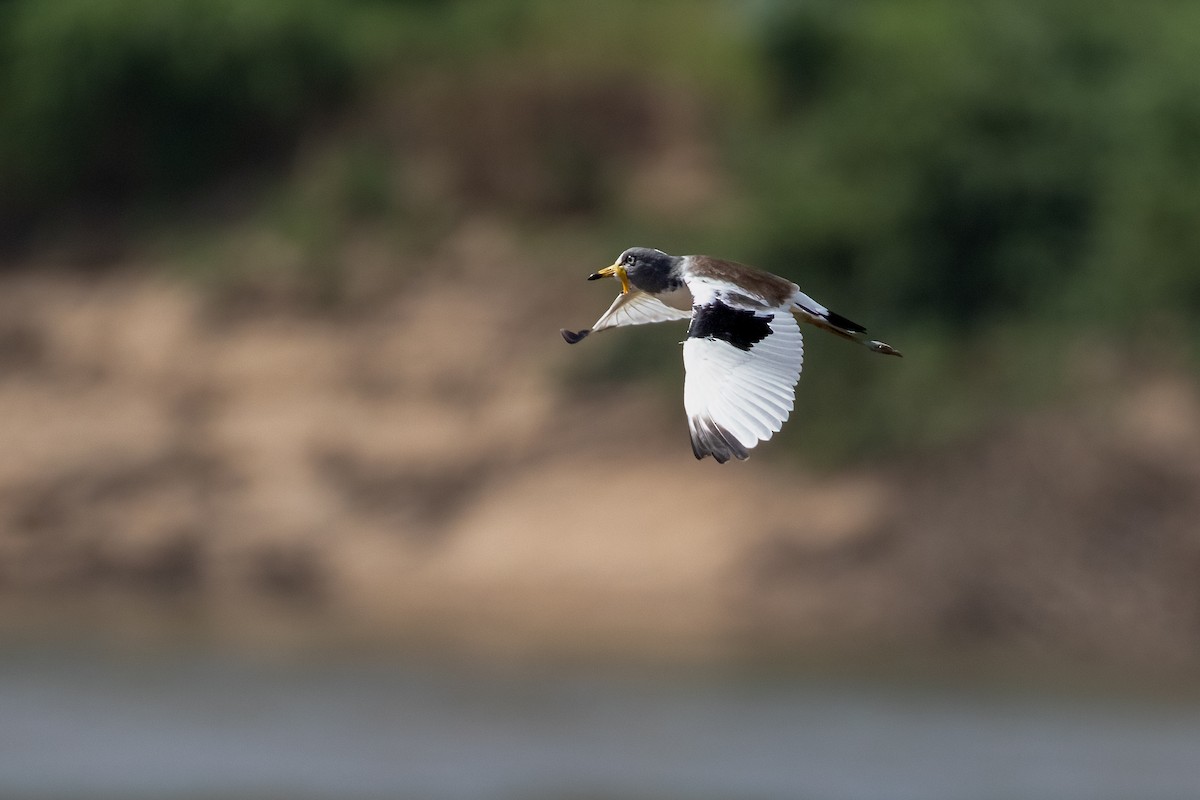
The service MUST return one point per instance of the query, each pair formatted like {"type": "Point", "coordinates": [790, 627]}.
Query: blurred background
{"type": "Point", "coordinates": [302, 495]}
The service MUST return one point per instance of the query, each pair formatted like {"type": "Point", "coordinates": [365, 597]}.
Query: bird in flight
{"type": "Point", "coordinates": [743, 352]}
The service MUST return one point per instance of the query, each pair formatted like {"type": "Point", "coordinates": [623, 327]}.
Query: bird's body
{"type": "Point", "coordinates": [744, 350]}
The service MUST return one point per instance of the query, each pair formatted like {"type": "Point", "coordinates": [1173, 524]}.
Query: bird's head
{"type": "Point", "coordinates": [645, 268]}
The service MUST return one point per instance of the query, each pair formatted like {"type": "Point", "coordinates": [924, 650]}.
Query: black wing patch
{"type": "Point", "coordinates": [742, 328]}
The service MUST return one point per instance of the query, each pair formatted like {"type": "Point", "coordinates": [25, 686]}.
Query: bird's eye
{"type": "Point", "coordinates": [629, 259]}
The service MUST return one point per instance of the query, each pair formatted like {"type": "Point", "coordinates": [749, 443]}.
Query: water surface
{"type": "Point", "coordinates": [75, 725]}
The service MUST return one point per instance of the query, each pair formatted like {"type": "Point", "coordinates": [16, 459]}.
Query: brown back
{"type": "Point", "coordinates": [772, 288]}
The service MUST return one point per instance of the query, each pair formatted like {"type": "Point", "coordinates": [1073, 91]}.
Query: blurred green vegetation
{"type": "Point", "coordinates": [989, 185]}
{"type": "Point", "coordinates": [995, 181]}
{"type": "Point", "coordinates": [133, 102]}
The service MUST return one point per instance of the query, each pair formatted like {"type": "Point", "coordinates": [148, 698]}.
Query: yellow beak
{"type": "Point", "coordinates": [615, 270]}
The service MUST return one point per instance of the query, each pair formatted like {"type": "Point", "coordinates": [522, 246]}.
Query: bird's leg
{"type": "Point", "coordinates": [883, 347]}
{"type": "Point", "coordinates": [853, 336]}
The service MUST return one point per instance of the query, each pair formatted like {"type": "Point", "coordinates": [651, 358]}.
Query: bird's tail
{"type": "Point", "coordinates": [815, 314]}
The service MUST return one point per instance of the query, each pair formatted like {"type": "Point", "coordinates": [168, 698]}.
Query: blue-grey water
{"type": "Point", "coordinates": [74, 725]}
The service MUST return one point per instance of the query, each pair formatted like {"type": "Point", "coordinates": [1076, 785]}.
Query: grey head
{"type": "Point", "coordinates": [652, 270]}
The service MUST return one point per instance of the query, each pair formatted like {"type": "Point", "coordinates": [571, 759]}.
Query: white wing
{"type": "Point", "coordinates": [742, 365]}
{"type": "Point", "coordinates": [638, 308]}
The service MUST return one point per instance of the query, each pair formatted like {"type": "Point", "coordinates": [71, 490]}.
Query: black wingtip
{"type": "Point", "coordinates": [711, 439]}
{"type": "Point", "coordinates": [574, 337]}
